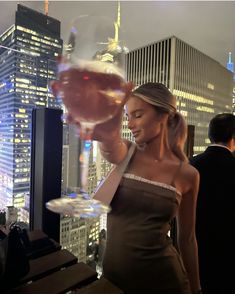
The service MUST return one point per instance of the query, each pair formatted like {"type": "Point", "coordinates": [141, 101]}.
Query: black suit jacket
{"type": "Point", "coordinates": [215, 219]}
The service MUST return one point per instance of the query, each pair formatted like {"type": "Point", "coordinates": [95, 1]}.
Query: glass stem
{"type": "Point", "coordinates": [84, 164]}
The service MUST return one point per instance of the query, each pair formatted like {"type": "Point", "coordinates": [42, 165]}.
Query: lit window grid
{"type": "Point", "coordinates": [23, 72]}
{"type": "Point", "coordinates": [201, 85]}
{"type": "Point", "coordinates": [73, 236]}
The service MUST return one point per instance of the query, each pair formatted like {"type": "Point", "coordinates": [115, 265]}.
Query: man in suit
{"type": "Point", "coordinates": [215, 218]}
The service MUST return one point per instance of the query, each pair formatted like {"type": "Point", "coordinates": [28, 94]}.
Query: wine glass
{"type": "Point", "coordinates": [91, 85]}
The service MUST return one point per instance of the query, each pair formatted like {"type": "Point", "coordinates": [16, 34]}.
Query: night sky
{"type": "Point", "coordinates": [209, 26]}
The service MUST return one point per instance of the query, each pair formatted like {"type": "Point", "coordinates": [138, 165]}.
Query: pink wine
{"type": "Point", "coordinates": [91, 96]}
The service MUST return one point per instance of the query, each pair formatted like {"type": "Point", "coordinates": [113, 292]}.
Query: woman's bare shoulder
{"type": "Point", "coordinates": [189, 174]}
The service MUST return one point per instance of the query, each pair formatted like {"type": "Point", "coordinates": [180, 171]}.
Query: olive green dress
{"type": "Point", "coordinates": [140, 257]}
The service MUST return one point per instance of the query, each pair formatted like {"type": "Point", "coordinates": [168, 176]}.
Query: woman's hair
{"type": "Point", "coordinates": [164, 101]}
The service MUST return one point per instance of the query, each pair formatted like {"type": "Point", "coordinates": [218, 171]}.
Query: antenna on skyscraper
{"type": "Point", "coordinates": [113, 43]}
{"type": "Point", "coordinates": [46, 7]}
{"type": "Point", "coordinates": [117, 24]}
{"type": "Point", "coordinates": [230, 64]}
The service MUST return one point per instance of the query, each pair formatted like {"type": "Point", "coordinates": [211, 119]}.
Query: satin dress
{"type": "Point", "coordinates": [140, 257]}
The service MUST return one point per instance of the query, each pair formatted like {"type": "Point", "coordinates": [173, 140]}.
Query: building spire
{"type": "Point", "coordinates": [230, 65]}
{"type": "Point", "coordinates": [113, 42]}
{"type": "Point", "coordinates": [46, 7]}
{"type": "Point", "coordinates": [117, 24]}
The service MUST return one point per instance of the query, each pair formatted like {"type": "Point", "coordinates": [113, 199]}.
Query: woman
{"type": "Point", "coordinates": [158, 185]}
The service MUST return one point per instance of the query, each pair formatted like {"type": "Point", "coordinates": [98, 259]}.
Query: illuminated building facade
{"type": "Point", "coordinates": [79, 236]}
{"type": "Point", "coordinates": [202, 86]}
{"type": "Point", "coordinates": [230, 66]}
{"type": "Point", "coordinates": [26, 70]}
{"type": "Point", "coordinates": [73, 236]}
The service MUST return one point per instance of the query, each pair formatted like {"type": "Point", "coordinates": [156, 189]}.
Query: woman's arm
{"type": "Point", "coordinates": [186, 220]}
{"type": "Point", "coordinates": [114, 150]}
{"type": "Point", "coordinates": [112, 147]}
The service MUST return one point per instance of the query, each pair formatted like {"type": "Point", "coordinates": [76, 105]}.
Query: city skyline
{"type": "Point", "coordinates": [202, 86]}
{"type": "Point", "coordinates": [195, 80]}
{"type": "Point", "coordinates": [205, 25]}
{"type": "Point", "coordinates": [24, 77]}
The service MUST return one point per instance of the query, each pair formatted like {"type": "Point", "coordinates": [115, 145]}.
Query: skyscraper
{"type": "Point", "coordinates": [230, 66]}
{"type": "Point", "coordinates": [26, 69]}
{"type": "Point", "coordinates": [203, 87]}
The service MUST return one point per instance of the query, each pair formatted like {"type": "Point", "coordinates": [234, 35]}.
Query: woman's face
{"type": "Point", "coordinates": [144, 121]}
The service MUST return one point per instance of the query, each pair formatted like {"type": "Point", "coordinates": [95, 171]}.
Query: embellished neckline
{"type": "Point", "coordinates": [156, 183]}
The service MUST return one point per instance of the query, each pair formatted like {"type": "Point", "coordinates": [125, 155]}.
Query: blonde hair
{"type": "Point", "coordinates": [164, 101]}
{"type": "Point", "coordinates": [177, 135]}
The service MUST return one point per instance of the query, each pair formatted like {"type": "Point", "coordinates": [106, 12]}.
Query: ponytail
{"type": "Point", "coordinates": [177, 135]}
